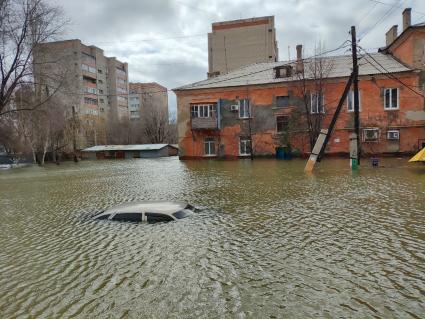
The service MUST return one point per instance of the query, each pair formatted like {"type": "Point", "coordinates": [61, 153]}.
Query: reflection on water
{"type": "Point", "coordinates": [270, 243]}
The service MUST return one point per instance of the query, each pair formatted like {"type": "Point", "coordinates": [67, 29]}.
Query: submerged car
{"type": "Point", "coordinates": [147, 211]}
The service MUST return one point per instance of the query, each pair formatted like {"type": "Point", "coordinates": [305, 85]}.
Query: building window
{"type": "Point", "coordinates": [102, 101]}
{"type": "Point", "coordinates": [282, 124]}
{"type": "Point", "coordinates": [282, 101]}
{"type": "Point", "coordinates": [209, 146]}
{"type": "Point", "coordinates": [393, 134]}
{"type": "Point", "coordinates": [90, 101]}
{"type": "Point", "coordinates": [370, 134]}
{"type": "Point", "coordinates": [88, 68]}
{"type": "Point", "coordinates": [91, 112]}
{"type": "Point", "coordinates": [122, 99]}
{"type": "Point", "coordinates": [317, 103]}
{"type": "Point", "coordinates": [203, 110]}
{"type": "Point", "coordinates": [134, 114]}
{"type": "Point", "coordinates": [120, 72]}
{"type": "Point", "coordinates": [100, 81]}
{"type": "Point", "coordinates": [245, 146]}
{"type": "Point", "coordinates": [121, 90]}
{"type": "Point", "coordinates": [391, 99]}
{"type": "Point", "coordinates": [90, 90]}
{"type": "Point", "coordinates": [284, 71]}
{"type": "Point", "coordinates": [350, 101]}
{"type": "Point", "coordinates": [101, 91]}
{"type": "Point", "coordinates": [100, 71]}
{"type": "Point", "coordinates": [244, 109]}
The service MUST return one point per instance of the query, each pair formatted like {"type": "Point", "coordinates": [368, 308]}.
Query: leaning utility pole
{"type": "Point", "coordinates": [356, 92]}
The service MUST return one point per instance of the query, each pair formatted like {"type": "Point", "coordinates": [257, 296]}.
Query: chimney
{"type": "Point", "coordinates": [299, 66]}
{"type": "Point", "coordinates": [391, 35]}
{"type": "Point", "coordinates": [407, 18]}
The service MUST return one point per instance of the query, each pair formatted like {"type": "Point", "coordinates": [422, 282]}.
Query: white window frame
{"type": "Point", "coordinates": [391, 107]}
{"type": "Point", "coordinates": [350, 98]}
{"type": "Point", "coordinates": [391, 132]}
{"type": "Point", "coordinates": [246, 142]}
{"type": "Point", "coordinates": [313, 98]}
{"type": "Point", "coordinates": [203, 110]}
{"type": "Point", "coordinates": [211, 146]}
{"type": "Point", "coordinates": [370, 129]}
{"type": "Point", "coordinates": [244, 109]}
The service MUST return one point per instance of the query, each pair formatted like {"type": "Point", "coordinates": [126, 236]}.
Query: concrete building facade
{"type": "Point", "coordinates": [258, 108]}
{"type": "Point", "coordinates": [234, 44]}
{"type": "Point", "coordinates": [145, 97]}
{"type": "Point", "coordinates": [93, 87]}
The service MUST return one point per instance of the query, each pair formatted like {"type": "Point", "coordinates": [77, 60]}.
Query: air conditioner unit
{"type": "Point", "coordinates": [393, 135]}
{"type": "Point", "coordinates": [234, 107]}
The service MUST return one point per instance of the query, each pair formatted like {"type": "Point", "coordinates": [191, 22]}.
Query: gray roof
{"type": "Point", "coordinates": [133, 147]}
{"type": "Point", "coordinates": [263, 73]}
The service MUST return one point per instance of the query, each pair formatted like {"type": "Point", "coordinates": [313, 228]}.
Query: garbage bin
{"type": "Point", "coordinates": [280, 152]}
{"type": "Point", "coordinates": [283, 152]}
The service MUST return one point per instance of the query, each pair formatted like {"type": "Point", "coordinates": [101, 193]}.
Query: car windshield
{"type": "Point", "coordinates": [182, 213]}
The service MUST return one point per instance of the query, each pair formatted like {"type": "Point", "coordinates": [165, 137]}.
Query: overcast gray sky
{"type": "Point", "coordinates": [166, 41]}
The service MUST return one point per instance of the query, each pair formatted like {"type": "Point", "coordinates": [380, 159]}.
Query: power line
{"type": "Point", "coordinates": [389, 74]}
{"type": "Point", "coordinates": [386, 15]}
{"type": "Point", "coordinates": [367, 14]}
{"type": "Point", "coordinates": [343, 45]}
{"type": "Point", "coordinates": [389, 4]}
{"type": "Point", "coordinates": [153, 39]}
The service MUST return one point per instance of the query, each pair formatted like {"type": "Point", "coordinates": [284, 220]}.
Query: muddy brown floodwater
{"type": "Point", "coordinates": [271, 241]}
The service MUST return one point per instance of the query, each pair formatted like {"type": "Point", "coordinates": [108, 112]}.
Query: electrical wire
{"type": "Point", "coordinates": [343, 45]}
{"type": "Point", "coordinates": [389, 4]}
{"type": "Point", "coordinates": [388, 73]}
{"type": "Point", "coordinates": [379, 21]}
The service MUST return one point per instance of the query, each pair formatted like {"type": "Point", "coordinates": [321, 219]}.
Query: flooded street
{"type": "Point", "coordinates": [271, 241]}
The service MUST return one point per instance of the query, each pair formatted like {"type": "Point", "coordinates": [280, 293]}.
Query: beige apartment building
{"type": "Point", "coordinates": [146, 97]}
{"type": "Point", "coordinates": [93, 87]}
{"type": "Point", "coordinates": [237, 43]}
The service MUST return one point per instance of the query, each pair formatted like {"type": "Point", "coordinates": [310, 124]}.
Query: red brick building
{"type": "Point", "coordinates": [266, 105]}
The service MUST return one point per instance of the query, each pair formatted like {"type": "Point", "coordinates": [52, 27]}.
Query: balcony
{"type": "Point", "coordinates": [204, 123]}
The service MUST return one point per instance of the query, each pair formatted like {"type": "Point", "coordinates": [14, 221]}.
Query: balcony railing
{"type": "Point", "coordinates": [204, 123]}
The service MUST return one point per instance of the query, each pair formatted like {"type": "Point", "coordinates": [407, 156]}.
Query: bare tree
{"type": "Point", "coordinates": [43, 128]}
{"type": "Point", "coordinates": [312, 77]}
{"type": "Point", "coordinates": [156, 126]}
{"type": "Point", "coordinates": [23, 25]}
{"type": "Point", "coordinates": [118, 130]}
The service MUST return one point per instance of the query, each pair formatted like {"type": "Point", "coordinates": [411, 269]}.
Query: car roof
{"type": "Point", "coordinates": [162, 207]}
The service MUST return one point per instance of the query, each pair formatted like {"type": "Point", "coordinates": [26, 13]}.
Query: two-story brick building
{"type": "Point", "coordinates": [266, 105]}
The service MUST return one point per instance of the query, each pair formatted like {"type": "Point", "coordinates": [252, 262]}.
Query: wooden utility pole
{"type": "Point", "coordinates": [356, 90]}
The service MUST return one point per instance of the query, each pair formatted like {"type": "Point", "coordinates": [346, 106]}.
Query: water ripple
{"type": "Point", "coordinates": [270, 243]}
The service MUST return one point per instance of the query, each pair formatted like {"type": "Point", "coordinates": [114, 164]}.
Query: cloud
{"type": "Point", "coordinates": [166, 40]}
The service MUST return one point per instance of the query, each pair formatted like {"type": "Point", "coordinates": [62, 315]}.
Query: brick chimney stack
{"type": "Point", "coordinates": [407, 18]}
{"type": "Point", "coordinates": [299, 66]}
{"type": "Point", "coordinates": [391, 35]}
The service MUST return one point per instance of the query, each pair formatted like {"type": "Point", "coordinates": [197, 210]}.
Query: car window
{"type": "Point", "coordinates": [103, 216]}
{"type": "Point", "coordinates": [158, 218]}
{"type": "Point", "coordinates": [182, 213]}
{"type": "Point", "coordinates": [129, 217]}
